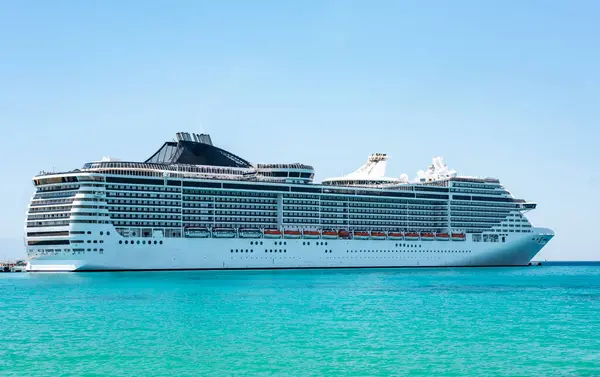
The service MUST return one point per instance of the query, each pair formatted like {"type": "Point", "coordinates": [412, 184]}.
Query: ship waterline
{"type": "Point", "coordinates": [192, 205]}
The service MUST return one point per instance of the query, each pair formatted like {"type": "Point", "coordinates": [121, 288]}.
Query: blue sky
{"type": "Point", "coordinates": [509, 89]}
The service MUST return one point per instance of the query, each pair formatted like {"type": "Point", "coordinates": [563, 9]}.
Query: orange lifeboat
{"type": "Point", "coordinates": [458, 237]}
{"type": "Point", "coordinates": [272, 233]}
{"type": "Point", "coordinates": [442, 236]}
{"type": "Point", "coordinates": [376, 235]}
{"type": "Point", "coordinates": [395, 235]}
{"type": "Point", "coordinates": [411, 236]}
{"type": "Point", "coordinates": [427, 236]}
{"type": "Point", "coordinates": [330, 234]}
{"type": "Point", "coordinates": [289, 233]}
{"type": "Point", "coordinates": [360, 235]}
{"type": "Point", "coordinates": [343, 233]}
{"type": "Point", "coordinates": [311, 234]}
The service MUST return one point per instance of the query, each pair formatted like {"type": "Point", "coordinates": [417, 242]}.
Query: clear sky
{"type": "Point", "coordinates": [509, 89]}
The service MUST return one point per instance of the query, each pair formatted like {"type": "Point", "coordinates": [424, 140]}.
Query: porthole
{"type": "Point", "coordinates": [251, 242]}
{"type": "Point", "coordinates": [89, 232]}
{"type": "Point", "coordinates": [108, 233]}
{"type": "Point", "coordinates": [138, 242]}
{"type": "Point", "coordinates": [126, 242]}
{"type": "Point", "coordinates": [160, 242]}
{"type": "Point", "coordinates": [101, 233]}
{"type": "Point", "coordinates": [120, 241]}
{"type": "Point", "coordinates": [143, 242]}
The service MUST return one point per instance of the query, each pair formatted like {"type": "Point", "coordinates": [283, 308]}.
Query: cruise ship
{"type": "Point", "coordinates": [193, 205]}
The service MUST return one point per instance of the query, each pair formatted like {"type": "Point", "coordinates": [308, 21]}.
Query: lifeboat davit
{"type": "Point", "coordinates": [223, 232]}
{"type": "Point", "coordinates": [330, 234]}
{"type": "Point", "coordinates": [411, 236]}
{"type": "Point", "coordinates": [459, 236]}
{"type": "Point", "coordinates": [359, 235]}
{"type": "Point", "coordinates": [250, 233]}
{"type": "Point", "coordinates": [427, 236]}
{"type": "Point", "coordinates": [442, 236]}
{"type": "Point", "coordinates": [289, 233]}
{"type": "Point", "coordinates": [311, 234]}
{"type": "Point", "coordinates": [197, 232]}
{"type": "Point", "coordinates": [272, 233]}
{"type": "Point", "coordinates": [395, 235]}
{"type": "Point", "coordinates": [378, 235]}
{"type": "Point", "coordinates": [343, 233]}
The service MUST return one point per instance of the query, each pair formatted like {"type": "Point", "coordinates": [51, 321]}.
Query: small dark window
{"type": "Point", "coordinates": [121, 241]}
{"type": "Point", "coordinates": [108, 233]}
{"type": "Point", "coordinates": [101, 233]}
{"type": "Point", "coordinates": [126, 242]}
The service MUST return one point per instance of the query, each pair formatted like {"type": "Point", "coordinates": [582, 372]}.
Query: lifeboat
{"type": "Point", "coordinates": [378, 235]}
{"type": "Point", "coordinates": [197, 232]}
{"type": "Point", "coordinates": [442, 236]}
{"type": "Point", "coordinates": [250, 233]}
{"type": "Point", "coordinates": [395, 235]}
{"type": "Point", "coordinates": [311, 234]}
{"type": "Point", "coordinates": [411, 236]}
{"type": "Point", "coordinates": [289, 233]}
{"type": "Point", "coordinates": [330, 234]}
{"type": "Point", "coordinates": [359, 235]}
{"type": "Point", "coordinates": [343, 233]}
{"type": "Point", "coordinates": [458, 237]}
{"type": "Point", "coordinates": [272, 233]}
{"type": "Point", "coordinates": [427, 236]}
{"type": "Point", "coordinates": [223, 232]}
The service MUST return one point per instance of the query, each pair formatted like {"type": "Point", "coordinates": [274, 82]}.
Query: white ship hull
{"type": "Point", "coordinates": [238, 253]}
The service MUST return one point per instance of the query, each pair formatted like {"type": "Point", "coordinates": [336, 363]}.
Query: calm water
{"type": "Point", "coordinates": [537, 321]}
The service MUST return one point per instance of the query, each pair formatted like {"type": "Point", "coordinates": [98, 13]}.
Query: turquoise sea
{"type": "Point", "coordinates": [535, 321]}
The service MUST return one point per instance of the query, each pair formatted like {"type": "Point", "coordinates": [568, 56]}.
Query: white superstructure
{"type": "Point", "coordinates": [192, 205]}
